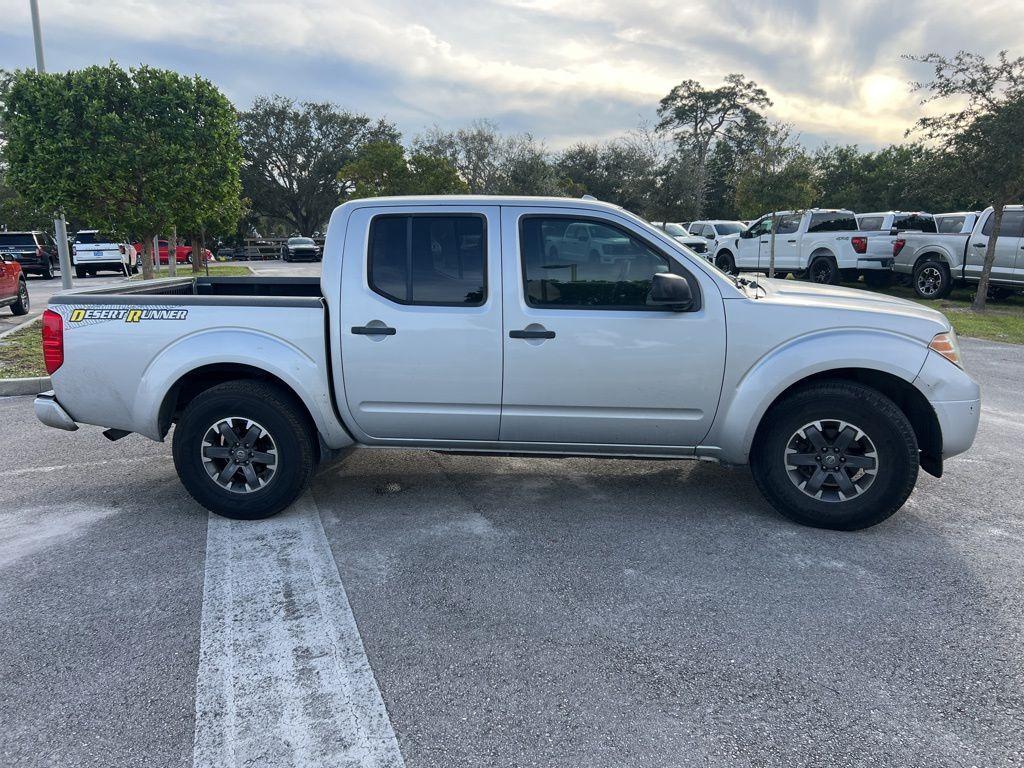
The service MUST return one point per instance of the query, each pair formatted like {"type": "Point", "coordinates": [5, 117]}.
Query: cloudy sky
{"type": "Point", "coordinates": [564, 70]}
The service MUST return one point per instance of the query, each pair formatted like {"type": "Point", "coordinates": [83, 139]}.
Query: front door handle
{"type": "Point", "coordinates": [373, 330]}
{"type": "Point", "coordinates": [979, 245]}
{"type": "Point", "coordinates": [791, 241]}
{"type": "Point", "coordinates": [531, 334]}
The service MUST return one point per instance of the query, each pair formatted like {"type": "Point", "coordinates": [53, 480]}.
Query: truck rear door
{"type": "Point", "coordinates": [587, 359]}
{"type": "Point", "coordinates": [421, 322]}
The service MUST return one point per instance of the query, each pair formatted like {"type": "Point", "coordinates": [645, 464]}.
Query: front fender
{"type": "Point", "coordinates": [306, 376]}
{"type": "Point", "coordinates": [745, 402]}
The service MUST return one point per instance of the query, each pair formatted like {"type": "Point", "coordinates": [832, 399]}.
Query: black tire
{"type": "Point", "coordinates": [823, 270]}
{"type": "Point", "coordinates": [47, 273]}
{"type": "Point", "coordinates": [878, 278]}
{"type": "Point", "coordinates": [21, 305]}
{"type": "Point", "coordinates": [880, 422]}
{"type": "Point", "coordinates": [280, 416]}
{"type": "Point", "coordinates": [725, 262]}
{"type": "Point", "coordinates": [932, 279]}
{"type": "Point", "coordinates": [80, 272]}
{"type": "Point", "coordinates": [998, 293]}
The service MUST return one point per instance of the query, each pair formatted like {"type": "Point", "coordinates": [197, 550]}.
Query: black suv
{"type": "Point", "coordinates": [35, 251]}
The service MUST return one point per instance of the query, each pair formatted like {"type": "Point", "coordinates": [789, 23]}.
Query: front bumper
{"type": "Point", "coordinates": [956, 399]}
{"type": "Point", "coordinates": [50, 412]}
{"type": "Point", "coordinates": [959, 422]}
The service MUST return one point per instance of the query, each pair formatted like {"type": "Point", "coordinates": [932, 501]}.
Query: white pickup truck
{"type": "Point", "coordinates": [936, 263]}
{"type": "Point", "coordinates": [446, 324]}
{"type": "Point", "coordinates": [823, 245]}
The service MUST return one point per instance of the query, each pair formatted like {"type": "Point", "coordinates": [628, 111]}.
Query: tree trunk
{"type": "Point", "coordinates": [147, 257]}
{"type": "Point", "coordinates": [197, 255]}
{"type": "Point", "coordinates": [978, 305]}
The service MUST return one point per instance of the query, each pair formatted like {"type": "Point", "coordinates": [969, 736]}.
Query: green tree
{"type": "Point", "coordinates": [697, 118]}
{"type": "Point", "coordinates": [381, 168]}
{"type": "Point", "coordinates": [775, 174]}
{"type": "Point", "coordinates": [293, 152]}
{"type": "Point", "coordinates": [131, 151]}
{"type": "Point", "coordinates": [982, 137]}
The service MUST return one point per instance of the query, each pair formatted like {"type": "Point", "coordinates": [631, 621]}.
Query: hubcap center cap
{"type": "Point", "coordinates": [241, 455]}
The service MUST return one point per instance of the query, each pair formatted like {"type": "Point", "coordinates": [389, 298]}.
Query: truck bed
{"type": "Point", "coordinates": [202, 290]}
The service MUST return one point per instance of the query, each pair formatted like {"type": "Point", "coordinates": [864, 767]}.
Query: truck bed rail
{"type": "Point", "coordinates": [201, 290]}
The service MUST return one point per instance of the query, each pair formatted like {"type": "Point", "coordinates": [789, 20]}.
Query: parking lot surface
{"type": "Point", "coordinates": [513, 612]}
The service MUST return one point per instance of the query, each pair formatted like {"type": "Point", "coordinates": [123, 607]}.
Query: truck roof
{"type": "Point", "coordinates": [517, 200]}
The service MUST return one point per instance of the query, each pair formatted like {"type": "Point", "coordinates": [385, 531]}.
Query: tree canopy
{"type": "Point", "coordinates": [293, 152]}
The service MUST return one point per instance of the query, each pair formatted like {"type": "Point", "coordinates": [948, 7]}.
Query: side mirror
{"type": "Point", "coordinates": [671, 292]}
{"type": "Point", "coordinates": [745, 233]}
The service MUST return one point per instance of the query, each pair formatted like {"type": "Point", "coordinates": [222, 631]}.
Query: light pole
{"type": "Point", "coordinates": [60, 227]}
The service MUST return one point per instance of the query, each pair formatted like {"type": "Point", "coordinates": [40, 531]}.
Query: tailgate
{"type": "Point", "coordinates": [86, 252]}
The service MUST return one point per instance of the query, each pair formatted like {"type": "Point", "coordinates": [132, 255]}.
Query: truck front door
{"type": "Point", "coordinates": [587, 359]}
{"type": "Point", "coordinates": [1007, 248]}
{"type": "Point", "coordinates": [420, 322]}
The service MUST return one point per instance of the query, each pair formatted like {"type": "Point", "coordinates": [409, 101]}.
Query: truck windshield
{"type": "Point", "coordinates": [300, 241]}
{"type": "Point", "coordinates": [729, 228]}
{"type": "Point", "coordinates": [675, 230]}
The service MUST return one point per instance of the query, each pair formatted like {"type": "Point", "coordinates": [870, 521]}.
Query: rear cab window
{"type": "Point", "coordinates": [17, 240]}
{"type": "Point", "coordinates": [915, 221]}
{"type": "Point", "coordinates": [428, 259]}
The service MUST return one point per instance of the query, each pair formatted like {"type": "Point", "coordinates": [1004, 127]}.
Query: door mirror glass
{"type": "Point", "coordinates": [669, 291]}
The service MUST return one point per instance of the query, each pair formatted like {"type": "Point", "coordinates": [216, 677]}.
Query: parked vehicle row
{"type": "Point", "coordinates": [581, 330]}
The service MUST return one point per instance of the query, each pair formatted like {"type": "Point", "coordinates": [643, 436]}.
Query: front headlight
{"type": "Point", "coordinates": [947, 345]}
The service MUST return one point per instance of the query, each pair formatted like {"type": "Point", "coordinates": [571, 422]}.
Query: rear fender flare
{"type": "Point", "coordinates": [306, 377]}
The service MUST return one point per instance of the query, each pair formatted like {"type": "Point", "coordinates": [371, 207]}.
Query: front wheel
{"type": "Point", "coordinates": [244, 449]}
{"type": "Point", "coordinates": [725, 262]}
{"type": "Point", "coordinates": [836, 455]}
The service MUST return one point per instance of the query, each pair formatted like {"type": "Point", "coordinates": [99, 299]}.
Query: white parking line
{"type": "Point", "coordinates": [283, 676]}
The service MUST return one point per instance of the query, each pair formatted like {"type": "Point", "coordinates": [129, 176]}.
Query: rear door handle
{"type": "Point", "coordinates": [373, 330]}
{"type": "Point", "coordinates": [791, 241]}
{"type": "Point", "coordinates": [979, 245]}
{"type": "Point", "coordinates": [531, 334]}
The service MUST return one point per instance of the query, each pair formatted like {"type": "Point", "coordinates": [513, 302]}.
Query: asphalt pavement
{"type": "Point", "coordinates": [513, 612]}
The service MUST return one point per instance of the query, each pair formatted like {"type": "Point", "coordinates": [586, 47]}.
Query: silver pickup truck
{"type": "Point", "coordinates": [936, 263]}
{"type": "Point", "coordinates": [446, 324]}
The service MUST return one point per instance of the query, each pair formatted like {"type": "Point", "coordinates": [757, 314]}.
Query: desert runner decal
{"type": "Point", "coordinates": [83, 316]}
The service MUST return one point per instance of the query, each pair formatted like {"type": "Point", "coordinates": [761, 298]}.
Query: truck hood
{"type": "Point", "coordinates": [892, 312]}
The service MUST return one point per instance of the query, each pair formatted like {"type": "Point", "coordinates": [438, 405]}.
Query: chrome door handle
{"type": "Point", "coordinates": [373, 330]}
{"type": "Point", "coordinates": [531, 334]}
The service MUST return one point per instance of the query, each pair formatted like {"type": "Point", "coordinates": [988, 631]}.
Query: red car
{"type": "Point", "coordinates": [183, 254]}
{"type": "Point", "coordinates": [13, 288]}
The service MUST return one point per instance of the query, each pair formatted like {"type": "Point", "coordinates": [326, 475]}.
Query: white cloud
{"type": "Point", "coordinates": [571, 68]}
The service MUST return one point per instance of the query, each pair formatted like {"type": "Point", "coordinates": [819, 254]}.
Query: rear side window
{"type": "Point", "coordinates": [612, 270]}
{"type": "Point", "coordinates": [951, 225]}
{"type": "Point", "coordinates": [871, 223]}
{"type": "Point", "coordinates": [1011, 226]}
{"type": "Point", "coordinates": [832, 221]}
{"type": "Point", "coordinates": [915, 221]}
{"type": "Point", "coordinates": [427, 259]}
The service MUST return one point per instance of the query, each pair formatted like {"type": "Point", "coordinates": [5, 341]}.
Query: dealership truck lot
{"type": "Point", "coordinates": [522, 611]}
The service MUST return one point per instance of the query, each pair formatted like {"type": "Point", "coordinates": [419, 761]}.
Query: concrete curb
{"type": "Point", "coordinates": [30, 386]}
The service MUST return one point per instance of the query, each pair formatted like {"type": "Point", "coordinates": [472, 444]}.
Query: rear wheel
{"type": "Point", "coordinates": [836, 455]}
{"type": "Point", "coordinates": [823, 270]}
{"type": "Point", "coordinates": [932, 279]}
{"type": "Point", "coordinates": [21, 304]}
{"type": "Point", "coordinates": [725, 262]}
{"type": "Point", "coordinates": [80, 272]}
{"type": "Point", "coordinates": [47, 272]}
{"type": "Point", "coordinates": [998, 293]}
{"type": "Point", "coordinates": [244, 450]}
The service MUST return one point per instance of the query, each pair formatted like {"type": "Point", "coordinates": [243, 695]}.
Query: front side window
{"type": "Point", "coordinates": [762, 227]}
{"type": "Point", "coordinates": [1011, 225]}
{"type": "Point", "coordinates": [833, 221]}
{"type": "Point", "coordinates": [613, 271]}
{"type": "Point", "coordinates": [428, 259]}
